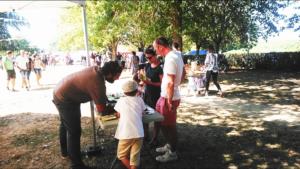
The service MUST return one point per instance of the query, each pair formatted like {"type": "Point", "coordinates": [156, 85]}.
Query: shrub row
{"type": "Point", "coordinates": [265, 61]}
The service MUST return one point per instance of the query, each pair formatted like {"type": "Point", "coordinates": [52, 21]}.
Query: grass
{"type": "Point", "coordinates": [4, 122]}
{"type": "Point", "coordinates": [34, 138]}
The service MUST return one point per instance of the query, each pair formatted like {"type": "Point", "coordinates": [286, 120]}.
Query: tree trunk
{"type": "Point", "coordinates": [177, 23]}
{"type": "Point", "coordinates": [218, 44]}
{"type": "Point", "coordinates": [197, 49]}
{"type": "Point", "coordinates": [114, 46]}
{"type": "Point", "coordinates": [142, 46]}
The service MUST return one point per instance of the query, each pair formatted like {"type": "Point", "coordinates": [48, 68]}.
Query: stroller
{"type": "Point", "coordinates": [196, 84]}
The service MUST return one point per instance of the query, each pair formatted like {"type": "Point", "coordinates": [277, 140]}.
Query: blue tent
{"type": "Point", "coordinates": [193, 52]}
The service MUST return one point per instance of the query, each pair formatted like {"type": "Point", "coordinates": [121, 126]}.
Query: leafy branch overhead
{"type": "Point", "coordinates": [227, 24]}
{"type": "Point", "coordinates": [9, 19]}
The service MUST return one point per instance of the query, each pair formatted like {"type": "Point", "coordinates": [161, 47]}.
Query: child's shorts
{"type": "Point", "coordinates": [130, 148]}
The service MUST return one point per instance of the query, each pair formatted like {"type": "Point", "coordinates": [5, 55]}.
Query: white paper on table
{"type": "Point", "coordinates": [149, 110]}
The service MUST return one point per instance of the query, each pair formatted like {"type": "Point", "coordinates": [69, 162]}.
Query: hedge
{"type": "Point", "coordinates": [265, 61]}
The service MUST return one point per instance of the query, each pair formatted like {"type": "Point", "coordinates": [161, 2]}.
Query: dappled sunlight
{"type": "Point", "coordinates": [296, 90]}
{"type": "Point", "coordinates": [256, 124]}
{"type": "Point", "coordinates": [262, 166]}
{"type": "Point", "coordinates": [292, 153]}
{"type": "Point", "coordinates": [227, 157]}
{"type": "Point", "coordinates": [233, 133]}
{"type": "Point", "coordinates": [258, 118]}
{"type": "Point", "coordinates": [273, 146]}
{"type": "Point", "coordinates": [247, 162]}
{"type": "Point", "coordinates": [282, 117]}
{"type": "Point", "coordinates": [232, 123]}
{"type": "Point", "coordinates": [217, 121]}
{"type": "Point", "coordinates": [258, 142]}
{"type": "Point", "coordinates": [257, 128]}
{"type": "Point", "coordinates": [232, 166]}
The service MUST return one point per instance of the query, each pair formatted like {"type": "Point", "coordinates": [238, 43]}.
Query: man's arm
{"type": "Point", "coordinates": [17, 63]}
{"type": "Point", "coordinates": [207, 60]}
{"type": "Point", "coordinates": [170, 90]}
{"type": "Point", "coordinates": [3, 63]}
{"type": "Point", "coordinates": [183, 75]}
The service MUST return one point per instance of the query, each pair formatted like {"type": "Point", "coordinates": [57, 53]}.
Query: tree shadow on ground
{"type": "Point", "coordinates": [238, 131]}
{"type": "Point", "coordinates": [220, 139]}
{"type": "Point", "coordinates": [277, 146]}
{"type": "Point", "coordinates": [212, 146]}
{"type": "Point", "coordinates": [256, 77]}
{"type": "Point", "coordinates": [264, 87]}
{"type": "Point", "coordinates": [205, 141]}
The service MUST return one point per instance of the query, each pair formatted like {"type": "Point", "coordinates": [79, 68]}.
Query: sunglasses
{"type": "Point", "coordinates": [149, 57]}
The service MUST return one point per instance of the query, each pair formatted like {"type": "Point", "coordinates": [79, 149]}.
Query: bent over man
{"type": "Point", "coordinates": [80, 87]}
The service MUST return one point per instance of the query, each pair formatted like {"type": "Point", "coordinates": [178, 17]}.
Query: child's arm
{"type": "Point", "coordinates": [100, 108]}
{"type": "Point", "coordinates": [117, 114]}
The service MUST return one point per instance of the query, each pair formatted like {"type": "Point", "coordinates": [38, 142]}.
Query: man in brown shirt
{"type": "Point", "coordinates": [80, 87]}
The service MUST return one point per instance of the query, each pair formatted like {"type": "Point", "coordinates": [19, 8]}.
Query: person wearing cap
{"type": "Point", "coordinates": [130, 130]}
{"type": "Point", "coordinates": [80, 87]}
{"type": "Point", "coordinates": [167, 104]}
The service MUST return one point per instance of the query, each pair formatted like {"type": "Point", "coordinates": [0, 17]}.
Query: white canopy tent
{"type": "Point", "coordinates": [6, 6]}
{"type": "Point", "coordinates": [31, 5]}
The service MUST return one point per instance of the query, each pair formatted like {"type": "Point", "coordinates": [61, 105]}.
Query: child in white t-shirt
{"type": "Point", "coordinates": [130, 130]}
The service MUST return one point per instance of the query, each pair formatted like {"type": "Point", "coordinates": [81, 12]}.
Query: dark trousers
{"type": "Point", "coordinates": [214, 76]}
{"type": "Point", "coordinates": [70, 131]}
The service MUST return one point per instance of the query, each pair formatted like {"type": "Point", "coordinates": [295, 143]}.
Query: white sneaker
{"type": "Point", "coordinates": [220, 93]}
{"type": "Point", "coordinates": [168, 156]}
{"type": "Point", "coordinates": [163, 149]}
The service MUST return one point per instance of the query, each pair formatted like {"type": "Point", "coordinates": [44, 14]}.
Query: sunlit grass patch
{"type": "Point", "coordinates": [4, 122]}
{"type": "Point", "coordinates": [33, 138]}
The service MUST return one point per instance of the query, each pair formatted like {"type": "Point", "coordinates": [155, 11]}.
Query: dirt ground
{"type": "Point", "coordinates": [256, 125]}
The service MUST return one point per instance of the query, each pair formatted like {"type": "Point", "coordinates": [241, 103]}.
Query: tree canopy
{"type": "Point", "coordinates": [294, 21]}
{"type": "Point", "coordinates": [230, 22]}
{"type": "Point", "coordinates": [10, 19]}
{"type": "Point", "coordinates": [227, 24]}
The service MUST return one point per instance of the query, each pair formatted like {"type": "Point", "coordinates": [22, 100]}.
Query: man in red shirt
{"type": "Point", "coordinates": [80, 87]}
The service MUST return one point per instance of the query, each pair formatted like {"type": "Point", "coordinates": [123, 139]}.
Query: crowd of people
{"type": "Point", "coordinates": [161, 92]}
{"type": "Point", "coordinates": [24, 63]}
{"type": "Point", "coordinates": [157, 83]}
{"type": "Point", "coordinates": [157, 74]}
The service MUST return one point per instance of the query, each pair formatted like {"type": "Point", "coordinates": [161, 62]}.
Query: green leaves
{"type": "Point", "coordinates": [11, 19]}
{"type": "Point", "coordinates": [71, 36]}
{"type": "Point", "coordinates": [224, 23]}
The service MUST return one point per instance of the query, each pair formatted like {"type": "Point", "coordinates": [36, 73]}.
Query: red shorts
{"type": "Point", "coordinates": [169, 116]}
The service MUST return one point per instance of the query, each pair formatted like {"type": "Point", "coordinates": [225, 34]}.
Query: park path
{"type": "Point", "coordinates": [256, 124]}
{"type": "Point", "coordinates": [38, 99]}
